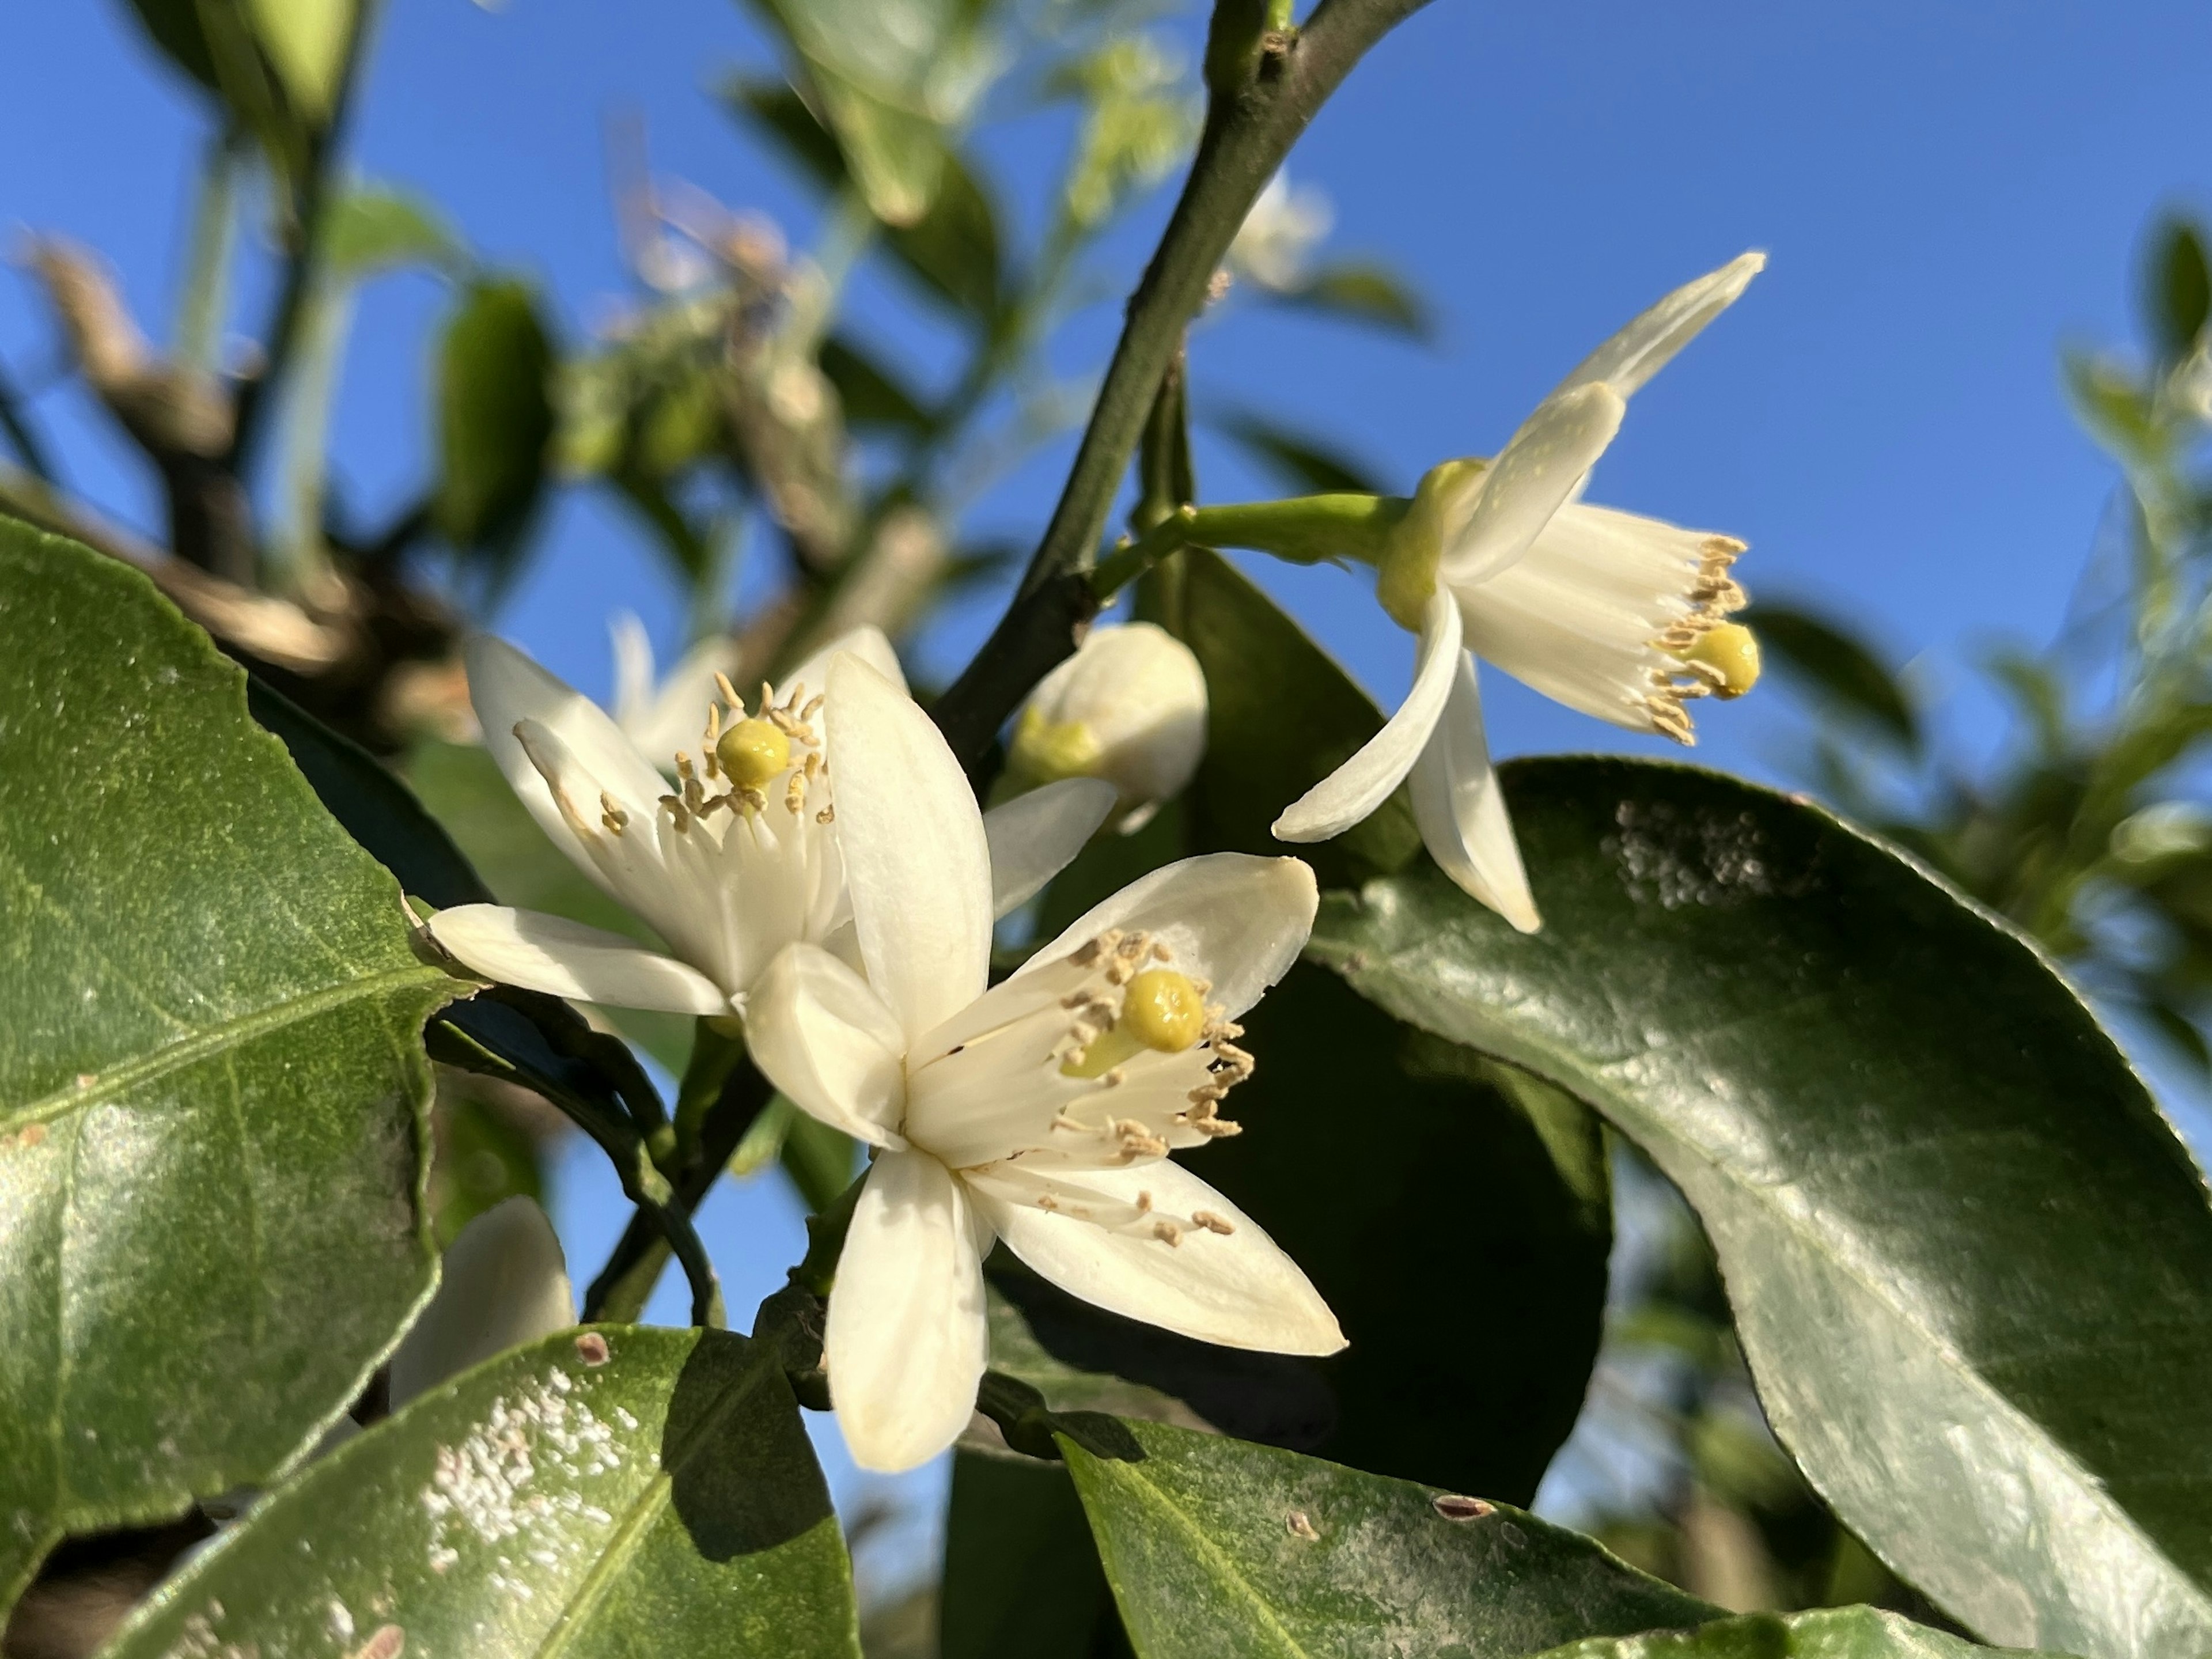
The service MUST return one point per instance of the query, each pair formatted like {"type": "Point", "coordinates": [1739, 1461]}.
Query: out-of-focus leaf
{"type": "Point", "coordinates": [898, 156]}
{"type": "Point", "coordinates": [1138, 124]}
{"type": "Point", "coordinates": [2039, 694]}
{"type": "Point", "coordinates": [1022, 1579]}
{"type": "Point", "coordinates": [462, 788]}
{"type": "Point", "coordinates": [494, 419]}
{"type": "Point", "coordinates": [484, 1158]}
{"type": "Point", "coordinates": [1309, 465]}
{"type": "Point", "coordinates": [819, 1160]}
{"type": "Point", "coordinates": [780, 113]}
{"type": "Point", "coordinates": [212, 1086]}
{"type": "Point", "coordinates": [619, 1491]}
{"type": "Point", "coordinates": [1214, 1546]}
{"type": "Point", "coordinates": [871, 395]}
{"type": "Point", "coordinates": [2117, 409]}
{"type": "Point", "coordinates": [173, 26]}
{"type": "Point", "coordinates": [1928, 1176]}
{"type": "Point", "coordinates": [2178, 296]}
{"type": "Point", "coordinates": [1281, 716]}
{"type": "Point", "coordinates": [1836, 665]}
{"type": "Point", "coordinates": [1361, 292]}
{"type": "Point", "coordinates": [1822, 1633]}
{"type": "Point", "coordinates": [373, 229]}
{"type": "Point", "coordinates": [306, 41]}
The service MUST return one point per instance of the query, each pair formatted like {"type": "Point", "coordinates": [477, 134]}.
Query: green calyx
{"type": "Point", "coordinates": [1407, 572]}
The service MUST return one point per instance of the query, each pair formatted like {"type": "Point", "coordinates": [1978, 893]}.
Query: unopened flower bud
{"type": "Point", "coordinates": [505, 1282]}
{"type": "Point", "coordinates": [1129, 706]}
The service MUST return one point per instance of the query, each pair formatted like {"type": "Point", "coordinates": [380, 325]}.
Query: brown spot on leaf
{"type": "Point", "coordinates": [1452, 1507]}
{"type": "Point", "coordinates": [592, 1348]}
{"type": "Point", "coordinates": [1301, 1526]}
{"type": "Point", "coordinates": [388, 1642]}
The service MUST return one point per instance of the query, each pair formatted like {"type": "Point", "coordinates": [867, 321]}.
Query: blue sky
{"type": "Point", "coordinates": [1948, 193]}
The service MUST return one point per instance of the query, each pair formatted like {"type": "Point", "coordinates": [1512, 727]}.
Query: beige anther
{"type": "Point", "coordinates": [795, 795]}
{"type": "Point", "coordinates": [827, 815]}
{"type": "Point", "coordinates": [1212, 1223]}
{"type": "Point", "coordinates": [1167, 1232]}
{"type": "Point", "coordinates": [677, 812]}
{"type": "Point", "coordinates": [729, 694]}
{"type": "Point", "coordinates": [1143, 1203]}
{"type": "Point", "coordinates": [612, 814]}
{"type": "Point", "coordinates": [812, 708]}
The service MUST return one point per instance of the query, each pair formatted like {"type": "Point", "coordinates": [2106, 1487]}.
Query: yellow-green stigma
{"type": "Point", "coordinates": [1045, 751]}
{"type": "Point", "coordinates": [1162, 1010]}
{"type": "Point", "coordinates": [1731, 651]}
{"type": "Point", "coordinates": [751, 752]}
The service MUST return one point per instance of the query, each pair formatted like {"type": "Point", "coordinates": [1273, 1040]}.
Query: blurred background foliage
{"type": "Point", "coordinates": [737, 419]}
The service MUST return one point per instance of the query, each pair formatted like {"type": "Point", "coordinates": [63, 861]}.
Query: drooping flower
{"type": "Point", "coordinates": [1041, 1111]}
{"type": "Point", "coordinates": [1621, 617]}
{"type": "Point", "coordinates": [736, 859]}
{"type": "Point", "coordinates": [1128, 707]}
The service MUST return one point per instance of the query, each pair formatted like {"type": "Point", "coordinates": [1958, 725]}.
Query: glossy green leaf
{"type": "Point", "coordinates": [623, 1490]}
{"type": "Point", "coordinates": [1361, 292]}
{"type": "Point", "coordinates": [1307, 465]}
{"type": "Point", "coordinates": [1822, 1633]}
{"type": "Point", "coordinates": [1081, 1357]}
{"type": "Point", "coordinates": [1281, 716]}
{"type": "Point", "coordinates": [1022, 1579]}
{"type": "Point", "coordinates": [372, 229]}
{"type": "Point", "coordinates": [1929, 1174]}
{"type": "Point", "coordinates": [212, 1087]}
{"type": "Point", "coordinates": [1836, 665]}
{"type": "Point", "coordinates": [495, 418]}
{"type": "Point", "coordinates": [1217, 1549]}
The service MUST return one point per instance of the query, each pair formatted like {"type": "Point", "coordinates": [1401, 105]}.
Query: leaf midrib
{"type": "Point", "coordinates": [235, 1032]}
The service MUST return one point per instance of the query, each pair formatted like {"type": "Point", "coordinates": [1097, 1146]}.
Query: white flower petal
{"type": "Point", "coordinates": [1359, 786]}
{"type": "Point", "coordinates": [823, 1036]}
{"type": "Point", "coordinates": [506, 688]}
{"type": "Point", "coordinates": [1232, 918]}
{"type": "Point", "coordinates": [915, 856]}
{"type": "Point", "coordinates": [1238, 1290]}
{"type": "Point", "coordinates": [1642, 348]}
{"type": "Point", "coordinates": [565, 959]}
{"type": "Point", "coordinates": [869, 644]}
{"type": "Point", "coordinates": [1462, 811]}
{"type": "Point", "coordinates": [633, 651]}
{"type": "Point", "coordinates": [504, 1282]}
{"type": "Point", "coordinates": [1541, 470]}
{"type": "Point", "coordinates": [1032, 837]}
{"type": "Point", "coordinates": [907, 1342]}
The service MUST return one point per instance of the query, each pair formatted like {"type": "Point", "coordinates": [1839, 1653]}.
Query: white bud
{"type": "Point", "coordinates": [505, 1282]}
{"type": "Point", "coordinates": [1129, 706]}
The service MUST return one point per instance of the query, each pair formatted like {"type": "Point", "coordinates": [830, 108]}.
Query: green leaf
{"type": "Point", "coordinates": [2179, 288]}
{"type": "Point", "coordinates": [871, 395]}
{"type": "Point", "coordinates": [1042, 1336]}
{"type": "Point", "coordinates": [174, 27]}
{"type": "Point", "coordinates": [496, 419]}
{"type": "Point", "coordinates": [1022, 1579]}
{"type": "Point", "coordinates": [622, 1491]}
{"type": "Point", "coordinates": [461, 788]}
{"type": "Point", "coordinates": [212, 1087]}
{"type": "Point", "coordinates": [1838, 665]}
{"type": "Point", "coordinates": [1823, 1633]}
{"type": "Point", "coordinates": [1215, 1547]}
{"type": "Point", "coordinates": [306, 42]}
{"type": "Point", "coordinates": [1309, 465]}
{"type": "Point", "coordinates": [1929, 1176]}
{"type": "Point", "coordinates": [1281, 717]}
{"type": "Point", "coordinates": [1361, 292]}
{"type": "Point", "coordinates": [373, 229]}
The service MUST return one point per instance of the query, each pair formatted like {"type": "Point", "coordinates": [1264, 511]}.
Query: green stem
{"type": "Point", "coordinates": [303, 457]}
{"type": "Point", "coordinates": [1303, 530]}
{"type": "Point", "coordinates": [1250, 127]}
{"type": "Point", "coordinates": [716, 1048]}
{"type": "Point", "coordinates": [204, 304]}
{"type": "Point", "coordinates": [817, 1270]}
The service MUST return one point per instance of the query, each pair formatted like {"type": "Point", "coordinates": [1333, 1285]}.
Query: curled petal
{"type": "Point", "coordinates": [1538, 472]}
{"type": "Point", "coordinates": [906, 1341]}
{"type": "Point", "coordinates": [916, 860]}
{"type": "Point", "coordinates": [1363, 783]}
{"type": "Point", "coordinates": [824, 1038]}
{"type": "Point", "coordinates": [565, 959]}
{"type": "Point", "coordinates": [1236, 1288]}
{"type": "Point", "coordinates": [1644, 348]}
{"type": "Point", "coordinates": [1462, 811]}
{"type": "Point", "coordinates": [1033, 837]}
{"type": "Point", "coordinates": [503, 1282]}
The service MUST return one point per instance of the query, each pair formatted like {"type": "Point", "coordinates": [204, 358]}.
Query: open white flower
{"type": "Point", "coordinates": [1274, 245]}
{"type": "Point", "coordinates": [1128, 707]}
{"type": "Point", "coordinates": [1621, 616]}
{"type": "Point", "coordinates": [1040, 1111]}
{"type": "Point", "coordinates": [661, 717]}
{"type": "Point", "coordinates": [736, 860]}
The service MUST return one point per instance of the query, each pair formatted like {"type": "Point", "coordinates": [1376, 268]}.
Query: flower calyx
{"type": "Point", "coordinates": [1407, 573]}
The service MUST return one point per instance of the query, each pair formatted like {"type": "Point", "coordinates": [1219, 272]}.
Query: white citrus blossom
{"type": "Point", "coordinates": [737, 859]}
{"type": "Point", "coordinates": [1128, 707]}
{"type": "Point", "coordinates": [1618, 616]}
{"type": "Point", "coordinates": [1040, 1111]}
{"type": "Point", "coordinates": [1276, 241]}
{"type": "Point", "coordinates": [504, 1281]}
{"type": "Point", "coordinates": [659, 718]}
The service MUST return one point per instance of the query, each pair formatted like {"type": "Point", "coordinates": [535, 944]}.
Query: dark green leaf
{"type": "Point", "coordinates": [1309, 465]}
{"type": "Point", "coordinates": [1282, 716]}
{"type": "Point", "coordinates": [1835, 664]}
{"type": "Point", "coordinates": [2179, 288]}
{"type": "Point", "coordinates": [1022, 1579]}
{"type": "Point", "coordinates": [871, 395]}
{"type": "Point", "coordinates": [1928, 1174]}
{"type": "Point", "coordinates": [818, 1159]}
{"type": "Point", "coordinates": [781, 114]}
{"type": "Point", "coordinates": [495, 418]}
{"type": "Point", "coordinates": [1823, 1633]}
{"type": "Point", "coordinates": [1361, 292]}
{"type": "Point", "coordinates": [173, 26]}
{"type": "Point", "coordinates": [212, 1087]}
{"type": "Point", "coordinates": [1217, 1548]}
{"type": "Point", "coordinates": [618, 1491]}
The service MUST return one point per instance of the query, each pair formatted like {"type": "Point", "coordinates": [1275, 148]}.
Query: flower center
{"type": "Point", "coordinates": [1731, 651]}
{"type": "Point", "coordinates": [1161, 1009]}
{"type": "Point", "coordinates": [752, 751]}
{"type": "Point", "coordinates": [746, 753]}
